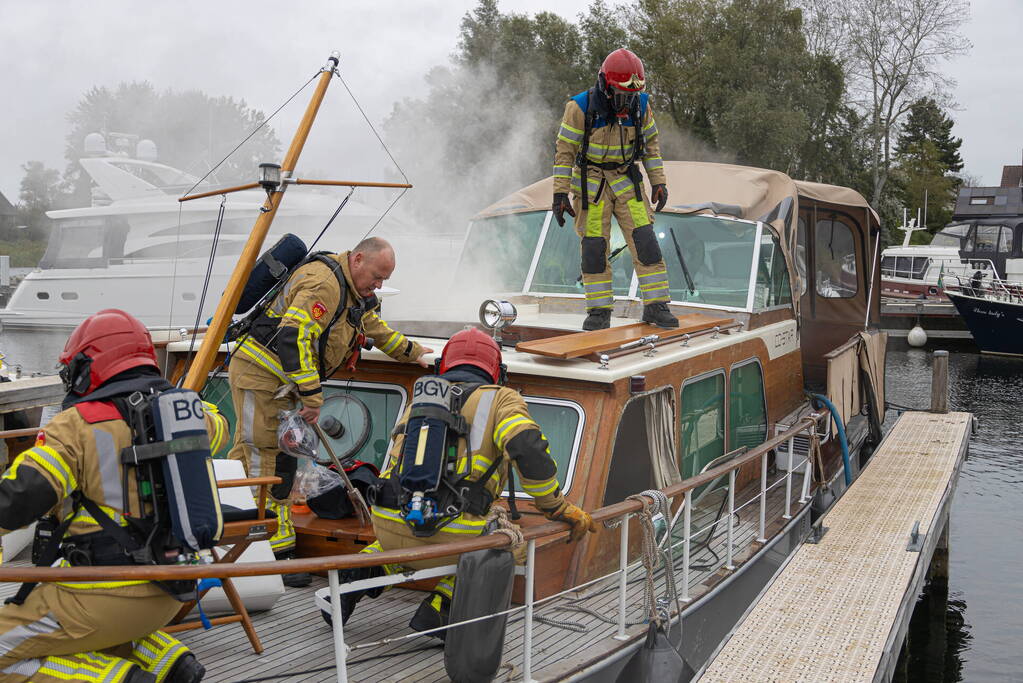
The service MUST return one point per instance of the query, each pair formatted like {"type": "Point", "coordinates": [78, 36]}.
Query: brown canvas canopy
{"type": "Point", "coordinates": [708, 188]}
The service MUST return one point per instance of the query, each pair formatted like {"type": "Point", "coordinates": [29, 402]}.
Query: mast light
{"type": "Point", "coordinates": [270, 177]}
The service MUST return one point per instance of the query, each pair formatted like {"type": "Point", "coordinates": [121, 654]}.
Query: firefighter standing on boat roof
{"type": "Point", "coordinates": [605, 131]}
{"type": "Point", "coordinates": [318, 323]}
{"type": "Point", "coordinates": [93, 630]}
{"type": "Point", "coordinates": [498, 431]}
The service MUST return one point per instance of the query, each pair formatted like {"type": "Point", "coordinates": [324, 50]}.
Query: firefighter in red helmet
{"type": "Point", "coordinates": [605, 132]}
{"type": "Point", "coordinates": [498, 432]}
{"type": "Point", "coordinates": [95, 630]}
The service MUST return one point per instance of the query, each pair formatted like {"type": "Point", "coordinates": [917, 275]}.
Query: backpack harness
{"type": "Point", "coordinates": [594, 118]}
{"type": "Point", "coordinates": [176, 489]}
{"type": "Point", "coordinates": [425, 487]}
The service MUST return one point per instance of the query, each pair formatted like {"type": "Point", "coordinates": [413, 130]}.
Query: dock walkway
{"type": "Point", "coordinates": [838, 611]}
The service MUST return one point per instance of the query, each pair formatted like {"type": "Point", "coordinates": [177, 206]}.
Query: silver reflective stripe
{"type": "Point", "coordinates": [24, 667]}
{"type": "Point", "coordinates": [621, 185]}
{"type": "Point", "coordinates": [246, 425]}
{"type": "Point", "coordinates": [19, 634]}
{"type": "Point", "coordinates": [653, 163]}
{"type": "Point", "coordinates": [570, 135]}
{"type": "Point", "coordinates": [109, 469]}
{"type": "Point", "coordinates": [179, 499]}
{"type": "Point", "coordinates": [480, 419]}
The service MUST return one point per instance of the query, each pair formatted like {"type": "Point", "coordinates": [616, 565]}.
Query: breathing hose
{"type": "Point", "coordinates": [841, 434]}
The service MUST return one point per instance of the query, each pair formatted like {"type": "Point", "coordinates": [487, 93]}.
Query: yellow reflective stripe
{"type": "Point", "coordinates": [568, 140]}
{"type": "Point", "coordinates": [656, 285]}
{"type": "Point", "coordinates": [542, 489]}
{"type": "Point", "coordinates": [562, 171]}
{"type": "Point", "coordinates": [304, 377]}
{"type": "Point", "coordinates": [393, 342]}
{"type": "Point", "coordinates": [595, 220]}
{"type": "Point", "coordinates": [83, 517]}
{"type": "Point", "coordinates": [458, 526]}
{"type": "Point", "coordinates": [49, 460]}
{"type": "Point", "coordinates": [308, 331]}
{"type": "Point", "coordinates": [654, 274]}
{"type": "Point", "coordinates": [90, 585]}
{"type": "Point", "coordinates": [262, 358]}
{"type": "Point", "coordinates": [570, 128]}
{"type": "Point", "coordinates": [506, 425]}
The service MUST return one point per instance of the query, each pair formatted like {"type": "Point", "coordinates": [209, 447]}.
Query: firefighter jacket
{"type": "Point", "coordinates": [80, 450]}
{"type": "Point", "coordinates": [609, 150]}
{"type": "Point", "coordinates": [303, 311]}
{"type": "Point", "coordinates": [499, 427]}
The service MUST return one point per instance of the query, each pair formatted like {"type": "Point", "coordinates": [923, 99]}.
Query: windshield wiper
{"type": "Point", "coordinates": [682, 262]}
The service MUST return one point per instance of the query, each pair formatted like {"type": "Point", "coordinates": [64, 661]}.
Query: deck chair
{"type": "Point", "coordinates": [242, 527]}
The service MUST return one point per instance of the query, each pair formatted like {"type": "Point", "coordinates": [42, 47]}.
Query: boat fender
{"type": "Point", "coordinates": [473, 652]}
{"type": "Point", "coordinates": [273, 264]}
{"type": "Point", "coordinates": [656, 660]}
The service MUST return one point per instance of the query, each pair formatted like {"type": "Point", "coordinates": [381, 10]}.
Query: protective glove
{"type": "Point", "coordinates": [659, 196]}
{"type": "Point", "coordinates": [560, 206]}
{"type": "Point", "coordinates": [579, 519]}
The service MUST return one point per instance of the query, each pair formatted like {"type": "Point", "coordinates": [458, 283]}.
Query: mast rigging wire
{"type": "Point", "coordinates": [209, 276]}
{"type": "Point", "coordinates": [386, 150]}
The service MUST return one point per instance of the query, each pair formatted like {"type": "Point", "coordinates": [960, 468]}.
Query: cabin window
{"type": "Point", "coordinates": [558, 266]}
{"type": "Point", "coordinates": [747, 416]}
{"type": "Point", "coordinates": [800, 256]}
{"type": "Point", "coordinates": [985, 239]}
{"type": "Point", "coordinates": [562, 423]}
{"type": "Point", "coordinates": [717, 254]}
{"type": "Point", "coordinates": [835, 260]}
{"type": "Point", "coordinates": [644, 448]}
{"type": "Point", "coordinates": [702, 422]}
{"type": "Point", "coordinates": [498, 251]}
{"type": "Point", "coordinates": [368, 411]}
{"type": "Point", "coordinates": [888, 266]}
{"type": "Point", "coordinates": [951, 236]}
{"type": "Point", "coordinates": [772, 288]}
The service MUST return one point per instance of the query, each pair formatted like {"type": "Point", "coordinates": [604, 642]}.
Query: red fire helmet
{"type": "Point", "coordinates": [472, 347]}
{"type": "Point", "coordinates": [623, 70]}
{"type": "Point", "coordinates": [103, 345]}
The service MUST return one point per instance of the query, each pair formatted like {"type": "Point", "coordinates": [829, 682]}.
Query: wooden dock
{"type": "Point", "coordinates": [840, 608]}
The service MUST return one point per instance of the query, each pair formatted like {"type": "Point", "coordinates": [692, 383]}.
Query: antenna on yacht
{"type": "Point", "coordinates": [205, 357]}
{"type": "Point", "coordinates": [911, 226]}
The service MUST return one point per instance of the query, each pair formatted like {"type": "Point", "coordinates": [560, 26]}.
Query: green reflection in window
{"type": "Point", "coordinates": [498, 251]}
{"type": "Point", "coordinates": [383, 405]}
{"type": "Point", "coordinates": [557, 269]}
{"type": "Point", "coordinates": [747, 421]}
{"type": "Point", "coordinates": [702, 423]}
{"type": "Point", "coordinates": [718, 253]}
{"type": "Point", "coordinates": [772, 287]}
{"type": "Point", "coordinates": [559, 424]}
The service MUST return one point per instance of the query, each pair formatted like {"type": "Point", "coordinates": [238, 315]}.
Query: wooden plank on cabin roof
{"type": "Point", "coordinates": [584, 343]}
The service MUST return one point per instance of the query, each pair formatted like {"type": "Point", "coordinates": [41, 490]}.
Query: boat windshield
{"type": "Point", "coordinates": [951, 236]}
{"type": "Point", "coordinates": [709, 260]}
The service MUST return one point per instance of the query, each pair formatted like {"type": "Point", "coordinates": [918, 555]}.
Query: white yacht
{"type": "Point", "coordinates": [137, 248]}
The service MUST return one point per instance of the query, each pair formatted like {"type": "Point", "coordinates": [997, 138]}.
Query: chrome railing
{"type": "Point", "coordinates": [939, 265]}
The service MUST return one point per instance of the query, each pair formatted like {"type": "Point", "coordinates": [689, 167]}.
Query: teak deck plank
{"type": "Point", "coordinates": [830, 614]}
{"type": "Point", "coordinates": [581, 344]}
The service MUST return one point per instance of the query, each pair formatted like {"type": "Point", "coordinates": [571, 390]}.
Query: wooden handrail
{"type": "Point", "coordinates": [548, 530]}
{"type": "Point", "coordinates": [349, 183]}
{"type": "Point", "coordinates": [214, 193]}
{"type": "Point", "coordinates": [19, 433]}
{"type": "Point", "coordinates": [251, 481]}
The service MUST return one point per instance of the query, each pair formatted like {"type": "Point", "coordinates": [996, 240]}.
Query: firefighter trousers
{"type": "Point", "coordinates": [255, 441]}
{"type": "Point", "coordinates": [636, 222]}
{"type": "Point", "coordinates": [61, 634]}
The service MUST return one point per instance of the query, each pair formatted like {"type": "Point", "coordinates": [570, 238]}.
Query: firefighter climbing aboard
{"type": "Point", "coordinates": [450, 462]}
{"type": "Point", "coordinates": [320, 321]}
{"type": "Point", "coordinates": [101, 483]}
{"type": "Point", "coordinates": [604, 133]}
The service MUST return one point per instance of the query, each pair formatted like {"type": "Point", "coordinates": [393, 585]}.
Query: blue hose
{"type": "Point", "coordinates": [841, 435]}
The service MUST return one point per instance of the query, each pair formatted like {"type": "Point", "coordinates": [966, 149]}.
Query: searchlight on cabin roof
{"type": "Point", "coordinates": [496, 315]}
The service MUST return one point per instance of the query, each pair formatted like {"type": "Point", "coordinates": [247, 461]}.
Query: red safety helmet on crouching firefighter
{"type": "Point", "coordinates": [103, 345]}
{"type": "Point", "coordinates": [473, 347]}
{"type": "Point", "coordinates": [621, 77]}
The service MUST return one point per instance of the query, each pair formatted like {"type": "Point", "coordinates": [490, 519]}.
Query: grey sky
{"type": "Point", "coordinates": [55, 51]}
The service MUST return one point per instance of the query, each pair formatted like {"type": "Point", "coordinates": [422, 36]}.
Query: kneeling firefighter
{"type": "Point", "coordinates": [449, 464]}
{"type": "Point", "coordinates": [121, 476]}
{"type": "Point", "coordinates": [604, 133]}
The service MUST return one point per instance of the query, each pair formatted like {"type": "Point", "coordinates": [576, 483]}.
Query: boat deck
{"type": "Point", "coordinates": [837, 610]}
{"type": "Point", "coordinates": [298, 644]}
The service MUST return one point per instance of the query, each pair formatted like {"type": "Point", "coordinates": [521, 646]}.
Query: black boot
{"type": "Point", "coordinates": [293, 580]}
{"type": "Point", "coordinates": [658, 314]}
{"type": "Point", "coordinates": [428, 616]}
{"type": "Point", "coordinates": [597, 319]}
{"type": "Point", "coordinates": [139, 675]}
{"type": "Point", "coordinates": [186, 670]}
{"type": "Point", "coordinates": [350, 600]}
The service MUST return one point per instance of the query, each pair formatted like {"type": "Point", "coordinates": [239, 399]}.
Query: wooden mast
{"type": "Point", "coordinates": [211, 341]}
